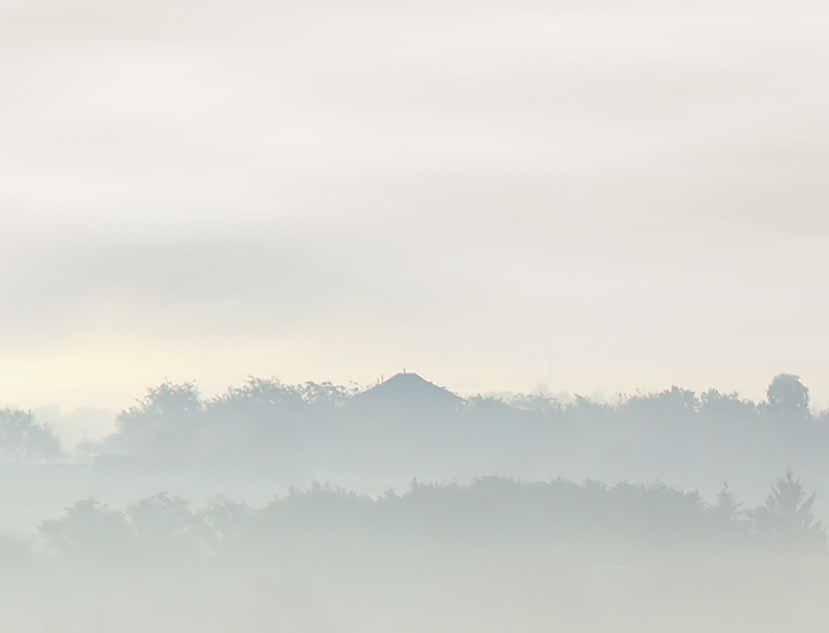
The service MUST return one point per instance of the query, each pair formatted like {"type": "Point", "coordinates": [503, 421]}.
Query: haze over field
{"type": "Point", "coordinates": [414, 317]}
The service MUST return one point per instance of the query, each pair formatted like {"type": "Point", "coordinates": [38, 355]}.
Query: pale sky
{"type": "Point", "coordinates": [582, 196]}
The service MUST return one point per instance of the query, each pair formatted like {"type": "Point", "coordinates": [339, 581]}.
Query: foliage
{"type": "Point", "coordinates": [22, 438]}
{"type": "Point", "coordinates": [787, 395]}
{"type": "Point", "coordinates": [490, 511]}
{"type": "Point", "coordinates": [787, 516]}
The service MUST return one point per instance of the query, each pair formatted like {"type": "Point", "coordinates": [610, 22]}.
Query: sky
{"type": "Point", "coordinates": [560, 195]}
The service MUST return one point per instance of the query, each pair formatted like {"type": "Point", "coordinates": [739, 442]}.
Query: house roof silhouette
{"type": "Point", "coordinates": [411, 391]}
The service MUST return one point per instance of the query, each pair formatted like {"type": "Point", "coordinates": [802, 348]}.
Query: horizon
{"type": "Point", "coordinates": [228, 227]}
{"type": "Point", "coordinates": [595, 198]}
{"type": "Point", "coordinates": [560, 393]}
{"type": "Point", "coordinates": [93, 421]}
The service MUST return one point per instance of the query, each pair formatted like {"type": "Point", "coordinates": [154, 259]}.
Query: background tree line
{"type": "Point", "coordinates": [408, 427]}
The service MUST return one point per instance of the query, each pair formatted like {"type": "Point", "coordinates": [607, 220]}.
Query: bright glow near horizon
{"type": "Point", "coordinates": [499, 201]}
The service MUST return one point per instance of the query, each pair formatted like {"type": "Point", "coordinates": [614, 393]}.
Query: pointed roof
{"type": "Point", "coordinates": [409, 390]}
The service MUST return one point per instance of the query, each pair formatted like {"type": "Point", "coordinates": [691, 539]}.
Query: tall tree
{"type": "Point", "coordinates": [788, 396]}
{"type": "Point", "coordinates": [787, 516]}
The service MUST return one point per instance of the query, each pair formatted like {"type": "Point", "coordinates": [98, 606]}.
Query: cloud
{"type": "Point", "coordinates": [543, 173]}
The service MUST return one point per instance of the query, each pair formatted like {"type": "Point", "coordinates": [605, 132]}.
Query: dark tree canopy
{"type": "Point", "coordinates": [787, 395]}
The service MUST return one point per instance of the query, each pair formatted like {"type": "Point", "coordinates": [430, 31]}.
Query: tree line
{"type": "Point", "coordinates": [490, 512]}
{"type": "Point", "coordinates": [408, 426]}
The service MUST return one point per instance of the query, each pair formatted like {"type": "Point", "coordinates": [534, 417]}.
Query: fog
{"type": "Point", "coordinates": [402, 505]}
{"type": "Point", "coordinates": [433, 317]}
{"type": "Point", "coordinates": [494, 555]}
{"type": "Point", "coordinates": [576, 195]}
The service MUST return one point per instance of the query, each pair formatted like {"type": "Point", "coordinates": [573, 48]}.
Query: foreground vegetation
{"type": "Point", "coordinates": [491, 512]}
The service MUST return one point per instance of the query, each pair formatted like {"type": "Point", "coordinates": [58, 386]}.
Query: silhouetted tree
{"type": "Point", "coordinates": [489, 511]}
{"type": "Point", "coordinates": [408, 424]}
{"type": "Point", "coordinates": [166, 531]}
{"type": "Point", "coordinates": [729, 518]}
{"type": "Point", "coordinates": [167, 399]}
{"type": "Point", "coordinates": [89, 531]}
{"type": "Point", "coordinates": [668, 404]}
{"type": "Point", "coordinates": [225, 524]}
{"type": "Point", "coordinates": [788, 396]}
{"type": "Point", "coordinates": [161, 425]}
{"type": "Point", "coordinates": [727, 508]}
{"type": "Point", "coordinates": [787, 515]}
{"type": "Point", "coordinates": [22, 438]}
{"type": "Point", "coordinates": [258, 395]}
{"type": "Point", "coordinates": [160, 517]}
{"type": "Point", "coordinates": [726, 407]}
